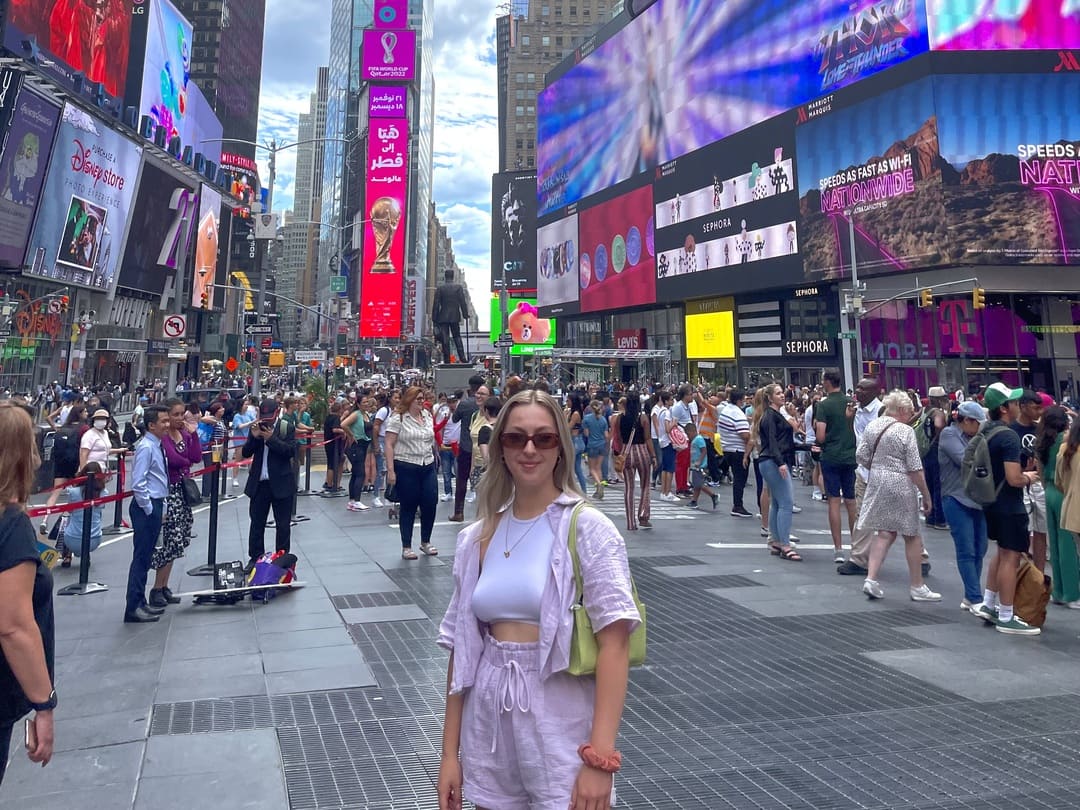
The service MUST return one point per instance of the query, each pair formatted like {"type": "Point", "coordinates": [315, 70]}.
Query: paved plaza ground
{"type": "Point", "coordinates": [770, 684]}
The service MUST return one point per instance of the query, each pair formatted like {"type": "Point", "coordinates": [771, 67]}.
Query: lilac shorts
{"type": "Point", "coordinates": [520, 735]}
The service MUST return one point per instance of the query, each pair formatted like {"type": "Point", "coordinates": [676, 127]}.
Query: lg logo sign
{"type": "Point", "coordinates": [391, 13]}
{"type": "Point", "coordinates": [138, 7]}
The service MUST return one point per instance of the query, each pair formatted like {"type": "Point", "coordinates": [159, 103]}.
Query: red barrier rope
{"type": "Point", "coordinates": [47, 511]}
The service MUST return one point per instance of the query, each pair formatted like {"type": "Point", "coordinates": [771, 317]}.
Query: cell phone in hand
{"type": "Point", "coordinates": [30, 734]}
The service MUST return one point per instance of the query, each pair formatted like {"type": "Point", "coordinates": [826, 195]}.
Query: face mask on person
{"type": "Point", "coordinates": [99, 424]}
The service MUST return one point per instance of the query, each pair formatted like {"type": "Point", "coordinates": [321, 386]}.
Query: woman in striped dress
{"type": "Point", "coordinates": [631, 429]}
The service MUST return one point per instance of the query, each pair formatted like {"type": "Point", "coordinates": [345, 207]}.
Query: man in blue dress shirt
{"type": "Point", "coordinates": [150, 482]}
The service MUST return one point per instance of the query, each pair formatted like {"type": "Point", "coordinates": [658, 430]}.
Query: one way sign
{"type": "Point", "coordinates": [259, 329]}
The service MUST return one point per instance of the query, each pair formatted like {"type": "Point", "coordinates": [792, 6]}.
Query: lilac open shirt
{"type": "Point", "coordinates": [607, 593]}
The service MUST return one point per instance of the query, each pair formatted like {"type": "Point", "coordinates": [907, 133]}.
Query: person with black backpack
{"type": "Point", "coordinates": [992, 476]}
{"type": "Point", "coordinates": [65, 458]}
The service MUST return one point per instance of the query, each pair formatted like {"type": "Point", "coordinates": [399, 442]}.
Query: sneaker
{"type": "Point", "coordinates": [817, 496]}
{"type": "Point", "coordinates": [43, 529]}
{"type": "Point", "coordinates": [715, 501]}
{"type": "Point", "coordinates": [984, 612]}
{"type": "Point", "coordinates": [966, 604]}
{"type": "Point", "coordinates": [740, 512]}
{"type": "Point", "coordinates": [644, 524]}
{"type": "Point", "coordinates": [851, 569]}
{"type": "Point", "coordinates": [377, 503]}
{"type": "Point", "coordinates": [236, 482]}
{"type": "Point", "coordinates": [1073, 605]}
{"type": "Point", "coordinates": [796, 509]}
{"type": "Point", "coordinates": [1016, 627]}
{"type": "Point", "coordinates": [924, 594]}
{"type": "Point", "coordinates": [357, 506]}
{"type": "Point", "coordinates": [712, 484]}
{"type": "Point", "coordinates": [667, 496]}
{"type": "Point", "coordinates": [445, 497]}
{"type": "Point", "coordinates": [872, 588]}
{"type": "Point", "coordinates": [764, 532]}
{"type": "Point", "coordinates": [692, 505]}
{"type": "Point", "coordinates": [470, 497]}
{"type": "Point", "coordinates": [838, 556]}
{"type": "Point", "coordinates": [598, 493]}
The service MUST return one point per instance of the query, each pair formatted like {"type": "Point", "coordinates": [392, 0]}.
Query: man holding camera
{"type": "Point", "coordinates": [271, 482]}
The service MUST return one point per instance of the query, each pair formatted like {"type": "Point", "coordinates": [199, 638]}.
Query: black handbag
{"type": "Point", "coordinates": [391, 495]}
{"type": "Point", "coordinates": [192, 495]}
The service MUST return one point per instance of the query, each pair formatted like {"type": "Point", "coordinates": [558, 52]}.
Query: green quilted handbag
{"type": "Point", "coordinates": [583, 647]}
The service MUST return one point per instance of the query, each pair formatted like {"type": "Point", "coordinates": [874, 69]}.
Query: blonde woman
{"type": "Point", "coordinates": [890, 506]}
{"type": "Point", "coordinates": [752, 450]}
{"type": "Point", "coordinates": [519, 730]}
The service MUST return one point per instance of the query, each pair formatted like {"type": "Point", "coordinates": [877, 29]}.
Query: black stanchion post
{"type": "Point", "coordinates": [295, 517]}
{"type": "Point", "coordinates": [84, 585]}
{"type": "Point", "coordinates": [118, 512]}
{"type": "Point", "coordinates": [211, 543]}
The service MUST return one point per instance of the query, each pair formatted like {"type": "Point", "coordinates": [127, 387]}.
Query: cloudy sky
{"type": "Point", "coordinates": [466, 130]}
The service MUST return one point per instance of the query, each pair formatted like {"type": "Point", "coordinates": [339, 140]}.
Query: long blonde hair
{"type": "Point", "coordinates": [496, 488]}
{"type": "Point", "coordinates": [761, 404]}
{"type": "Point", "coordinates": [18, 468]}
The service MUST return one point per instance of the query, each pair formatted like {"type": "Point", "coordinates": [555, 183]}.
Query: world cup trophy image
{"type": "Point", "coordinates": [385, 218]}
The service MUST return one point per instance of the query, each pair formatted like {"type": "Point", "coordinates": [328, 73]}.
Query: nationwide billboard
{"type": "Point", "coordinates": [877, 159]}
{"type": "Point", "coordinates": [513, 230]}
{"type": "Point", "coordinates": [161, 202]}
{"type": "Point", "coordinates": [985, 25]}
{"type": "Point", "coordinates": [76, 43]}
{"type": "Point", "coordinates": [556, 265]}
{"type": "Point", "coordinates": [530, 332]}
{"type": "Point", "coordinates": [388, 56]}
{"type": "Point", "coordinates": [85, 203]}
{"type": "Point", "coordinates": [683, 75]}
{"type": "Point", "coordinates": [725, 207]}
{"type": "Point", "coordinates": [617, 250]}
{"type": "Point", "coordinates": [386, 190]}
{"type": "Point", "coordinates": [207, 271]}
{"type": "Point", "coordinates": [1010, 148]}
{"type": "Point", "coordinates": [27, 126]}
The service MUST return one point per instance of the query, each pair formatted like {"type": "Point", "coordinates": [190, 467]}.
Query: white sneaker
{"type": "Point", "coordinates": [445, 497]}
{"type": "Point", "coordinates": [965, 604]}
{"type": "Point", "coordinates": [378, 502]}
{"type": "Point", "coordinates": [796, 509]}
{"type": "Point", "coordinates": [924, 594]}
{"type": "Point", "coordinates": [872, 588]}
{"type": "Point", "coordinates": [357, 506]}
{"type": "Point", "coordinates": [236, 482]}
{"type": "Point", "coordinates": [817, 496]}
{"type": "Point", "coordinates": [838, 556]}
{"type": "Point", "coordinates": [470, 497]}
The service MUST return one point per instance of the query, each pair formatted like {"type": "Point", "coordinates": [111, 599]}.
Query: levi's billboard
{"type": "Point", "coordinates": [85, 203]}
{"type": "Point", "coordinates": [386, 190]}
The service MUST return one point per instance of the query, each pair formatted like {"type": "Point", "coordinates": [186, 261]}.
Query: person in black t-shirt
{"type": "Point", "coordinates": [1026, 427]}
{"type": "Point", "coordinates": [26, 609]}
{"type": "Point", "coordinates": [1006, 518]}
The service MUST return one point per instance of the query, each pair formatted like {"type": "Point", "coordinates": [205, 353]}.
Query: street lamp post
{"type": "Point", "coordinates": [855, 299]}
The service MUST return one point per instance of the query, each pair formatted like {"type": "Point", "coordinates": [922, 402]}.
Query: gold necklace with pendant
{"type": "Point", "coordinates": [522, 536]}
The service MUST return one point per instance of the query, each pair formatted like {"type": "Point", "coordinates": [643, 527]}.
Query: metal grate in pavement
{"type": "Point", "coordinates": [363, 600]}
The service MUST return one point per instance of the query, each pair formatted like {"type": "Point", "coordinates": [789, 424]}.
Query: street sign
{"type": "Point", "coordinates": [259, 329]}
{"type": "Point", "coordinates": [504, 343]}
{"type": "Point", "coordinates": [310, 356]}
{"type": "Point", "coordinates": [846, 335]}
{"type": "Point", "coordinates": [337, 284]}
{"type": "Point", "coordinates": [231, 365]}
{"type": "Point", "coordinates": [175, 326]}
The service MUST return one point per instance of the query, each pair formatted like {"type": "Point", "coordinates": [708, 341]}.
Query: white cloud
{"type": "Point", "coordinates": [466, 129]}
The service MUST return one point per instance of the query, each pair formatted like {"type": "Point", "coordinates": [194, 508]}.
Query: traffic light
{"type": "Point", "coordinates": [926, 297]}
{"type": "Point", "coordinates": [205, 299]}
{"type": "Point", "coordinates": [978, 298]}
{"type": "Point", "coordinates": [64, 303]}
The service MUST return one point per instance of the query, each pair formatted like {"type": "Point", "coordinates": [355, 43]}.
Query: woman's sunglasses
{"type": "Point", "coordinates": [541, 441]}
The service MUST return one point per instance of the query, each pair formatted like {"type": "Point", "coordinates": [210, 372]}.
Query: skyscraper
{"type": "Point", "coordinates": [226, 62]}
{"type": "Point", "coordinates": [530, 40]}
{"type": "Point", "coordinates": [343, 165]}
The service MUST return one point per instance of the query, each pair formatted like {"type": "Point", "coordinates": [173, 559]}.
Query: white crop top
{"type": "Point", "coordinates": [510, 588]}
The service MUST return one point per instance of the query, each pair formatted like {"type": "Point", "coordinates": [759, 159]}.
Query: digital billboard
{"type": "Point", "coordinates": [155, 230]}
{"type": "Point", "coordinates": [66, 38]}
{"type": "Point", "coordinates": [683, 75]}
{"type": "Point", "coordinates": [27, 126]}
{"type": "Point", "coordinates": [529, 331]}
{"type": "Point", "coordinates": [391, 13]}
{"type": "Point", "coordinates": [513, 230]}
{"type": "Point", "coordinates": [85, 203]}
{"type": "Point", "coordinates": [166, 68]}
{"type": "Point", "coordinates": [1010, 145]}
{"type": "Point", "coordinates": [388, 56]}
{"type": "Point", "coordinates": [386, 190]}
{"type": "Point", "coordinates": [206, 249]}
{"type": "Point", "coordinates": [556, 266]}
{"type": "Point", "coordinates": [879, 159]}
{"type": "Point", "coordinates": [984, 25]}
{"type": "Point", "coordinates": [388, 102]}
{"type": "Point", "coordinates": [617, 251]}
{"type": "Point", "coordinates": [727, 206]}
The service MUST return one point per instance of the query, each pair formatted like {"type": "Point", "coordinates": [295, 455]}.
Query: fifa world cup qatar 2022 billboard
{"type": "Point", "coordinates": [386, 189]}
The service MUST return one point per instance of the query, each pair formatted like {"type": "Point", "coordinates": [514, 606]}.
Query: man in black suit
{"type": "Point", "coordinates": [449, 308]}
{"type": "Point", "coordinates": [271, 482]}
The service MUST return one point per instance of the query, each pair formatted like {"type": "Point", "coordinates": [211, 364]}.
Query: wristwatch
{"type": "Point", "coordinates": [47, 706]}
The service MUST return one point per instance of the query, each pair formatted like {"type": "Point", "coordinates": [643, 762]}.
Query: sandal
{"type": "Point", "coordinates": [408, 554]}
{"type": "Point", "coordinates": [790, 555]}
{"type": "Point", "coordinates": [774, 548]}
{"type": "Point", "coordinates": [428, 550]}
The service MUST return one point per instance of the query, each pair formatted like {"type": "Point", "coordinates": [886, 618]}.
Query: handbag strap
{"type": "Point", "coordinates": [877, 441]}
{"type": "Point", "coordinates": [579, 583]}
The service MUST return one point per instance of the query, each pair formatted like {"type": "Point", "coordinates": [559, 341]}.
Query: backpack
{"type": "Point", "coordinates": [976, 470]}
{"type": "Point", "coordinates": [678, 438]}
{"type": "Point", "coordinates": [65, 448]}
{"type": "Point", "coordinates": [924, 432]}
{"type": "Point", "coordinates": [1032, 593]}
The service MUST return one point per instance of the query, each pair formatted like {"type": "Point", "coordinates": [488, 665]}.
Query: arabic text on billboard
{"type": "Point", "coordinates": [383, 256]}
{"type": "Point", "coordinates": [388, 56]}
